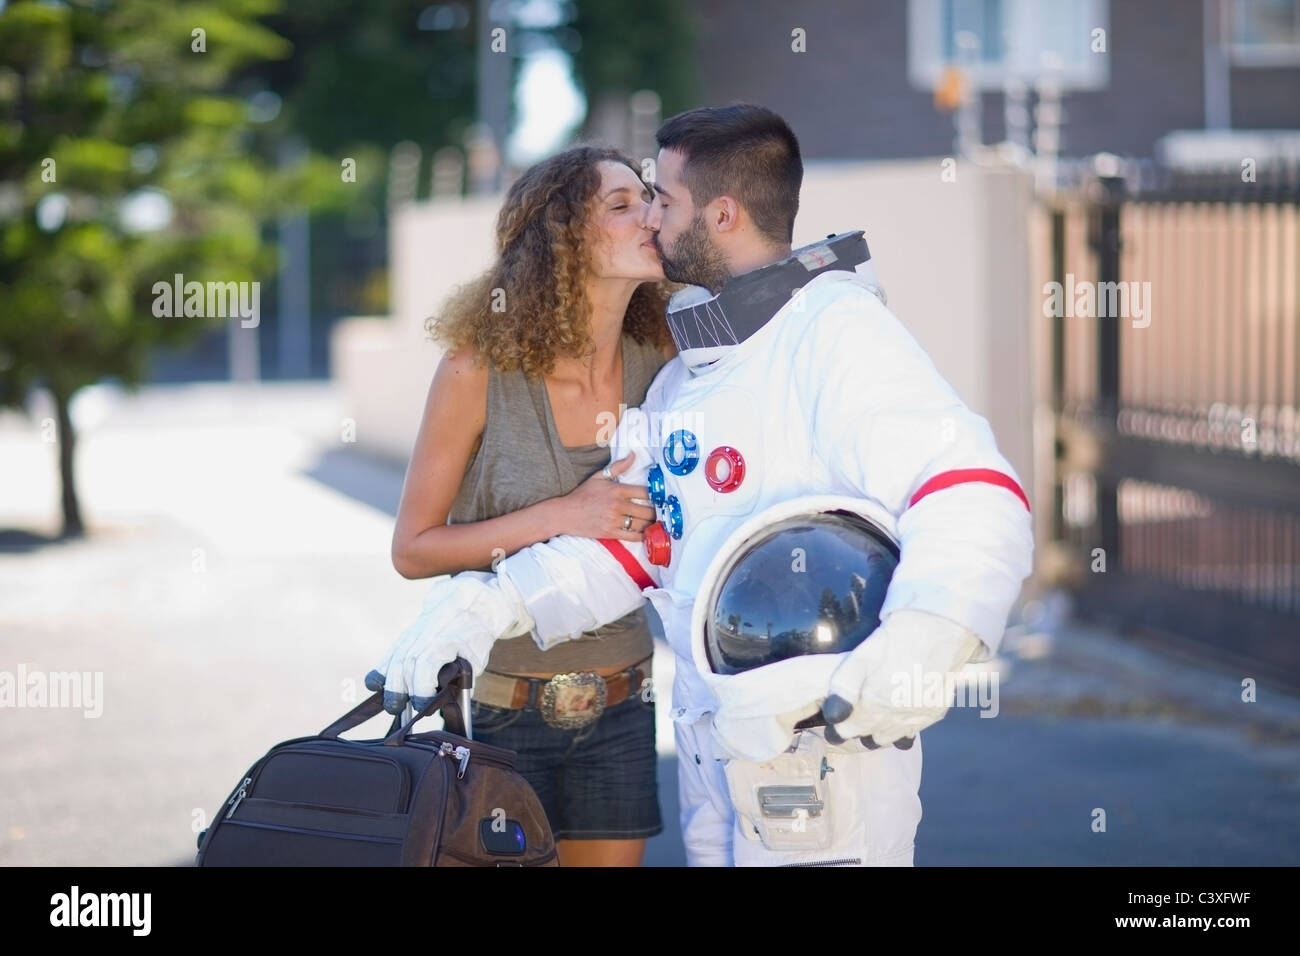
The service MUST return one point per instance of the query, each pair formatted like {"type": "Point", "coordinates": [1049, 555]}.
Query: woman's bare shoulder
{"type": "Point", "coordinates": [461, 376]}
{"type": "Point", "coordinates": [464, 361]}
{"type": "Point", "coordinates": [457, 398]}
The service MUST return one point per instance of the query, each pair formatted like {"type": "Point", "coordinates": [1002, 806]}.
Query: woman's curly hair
{"type": "Point", "coordinates": [537, 285]}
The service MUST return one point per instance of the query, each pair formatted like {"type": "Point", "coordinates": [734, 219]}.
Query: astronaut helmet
{"type": "Point", "coordinates": [791, 591]}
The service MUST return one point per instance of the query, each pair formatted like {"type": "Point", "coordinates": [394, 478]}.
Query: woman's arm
{"type": "Point", "coordinates": [424, 544]}
{"type": "Point", "coordinates": [455, 412]}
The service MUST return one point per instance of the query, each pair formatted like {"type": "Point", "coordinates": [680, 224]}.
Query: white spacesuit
{"type": "Point", "coordinates": [829, 402]}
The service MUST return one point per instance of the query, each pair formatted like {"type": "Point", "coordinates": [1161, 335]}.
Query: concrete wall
{"type": "Point", "coordinates": [385, 364]}
{"type": "Point", "coordinates": [952, 255]}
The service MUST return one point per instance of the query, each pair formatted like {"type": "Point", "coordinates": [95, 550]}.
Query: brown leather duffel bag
{"type": "Point", "coordinates": [428, 799]}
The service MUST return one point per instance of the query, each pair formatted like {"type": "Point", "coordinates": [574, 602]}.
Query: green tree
{"type": "Point", "coordinates": [627, 47]}
{"type": "Point", "coordinates": [376, 72]}
{"type": "Point", "coordinates": [122, 163]}
{"type": "Point", "coordinates": [364, 76]}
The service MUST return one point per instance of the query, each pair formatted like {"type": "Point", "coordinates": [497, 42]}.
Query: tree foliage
{"type": "Point", "coordinates": [122, 163]}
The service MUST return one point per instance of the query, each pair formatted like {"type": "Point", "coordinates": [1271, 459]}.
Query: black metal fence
{"type": "Point", "coordinates": [1175, 375]}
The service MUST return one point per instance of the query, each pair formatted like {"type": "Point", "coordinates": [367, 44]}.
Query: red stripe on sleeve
{"type": "Point", "coordinates": [630, 565]}
{"type": "Point", "coordinates": [959, 476]}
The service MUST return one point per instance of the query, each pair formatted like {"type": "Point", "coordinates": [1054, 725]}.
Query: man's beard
{"type": "Point", "coordinates": [695, 261]}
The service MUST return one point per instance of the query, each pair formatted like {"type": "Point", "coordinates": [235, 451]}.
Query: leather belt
{"type": "Point", "coordinates": [566, 700]}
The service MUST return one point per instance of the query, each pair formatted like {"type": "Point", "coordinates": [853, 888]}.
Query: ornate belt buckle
{"type": "Point", "coordinates": [570, 701]}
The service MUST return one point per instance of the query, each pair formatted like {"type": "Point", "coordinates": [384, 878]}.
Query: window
{"type": "Point", "coordinates": [1008, 39]}
{"type": "Point", "coordinates": [1262, 32]}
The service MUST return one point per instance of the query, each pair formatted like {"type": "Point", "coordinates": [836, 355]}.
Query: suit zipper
{"type": "Point", "coordinates": [855, 861]}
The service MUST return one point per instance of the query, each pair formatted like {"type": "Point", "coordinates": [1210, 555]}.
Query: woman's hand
{"type": "Point", "coordinates": [600, 508]}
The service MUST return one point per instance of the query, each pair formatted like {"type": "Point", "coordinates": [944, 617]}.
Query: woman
{"type": "Point", "coordinates": [543, 350]}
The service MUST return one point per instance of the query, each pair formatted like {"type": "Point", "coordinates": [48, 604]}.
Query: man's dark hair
{"type": "Point", "coordinates": [744, 151]}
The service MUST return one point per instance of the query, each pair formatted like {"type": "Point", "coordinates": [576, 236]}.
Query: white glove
{"type": "Point", "coordinates": [462, 616]}
{"type": "Point", "coordinates": [884, 677]}
{"type": "Point", "coordinates": [755, 738]}
{"type": "Point", "coordinates": [756, 710]}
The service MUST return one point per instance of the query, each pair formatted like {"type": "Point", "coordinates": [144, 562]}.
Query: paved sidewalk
{"type": "Point", "coordinates": [237, 586]}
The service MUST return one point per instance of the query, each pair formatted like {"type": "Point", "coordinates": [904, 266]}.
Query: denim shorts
{"type": "Point", "coordinates": [599, 782]}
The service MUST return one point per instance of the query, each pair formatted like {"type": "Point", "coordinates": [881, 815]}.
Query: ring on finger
{"type": "Point", "coordinates": [627, 525]}
{"type": "Point", "coordinates": [606, 473]}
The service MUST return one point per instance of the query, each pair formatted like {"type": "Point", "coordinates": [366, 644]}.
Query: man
{"type": "Point", "coordinates": [793, 382]}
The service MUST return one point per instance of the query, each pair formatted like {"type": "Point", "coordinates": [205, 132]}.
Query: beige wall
{"type": "Point", "coordinates": [952, 255]}
{"type": "Point", "coordinates": [384, 365]}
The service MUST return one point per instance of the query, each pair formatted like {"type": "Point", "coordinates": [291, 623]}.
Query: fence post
{"type": "Point", "coordinates": [1058, 373]}
{"type": "Point", "coordinates": [1107, 245]}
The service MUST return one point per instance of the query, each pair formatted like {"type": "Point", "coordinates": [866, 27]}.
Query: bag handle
{"type": "Point", "coordinates": [357, 715]}
{"type": "Point", "coordinates": [456, 677]}
{"type": "Point", "coordinates": [459, 679]}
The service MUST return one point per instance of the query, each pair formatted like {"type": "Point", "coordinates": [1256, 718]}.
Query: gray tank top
{"type": "Point", "coordinates": [521, 461]}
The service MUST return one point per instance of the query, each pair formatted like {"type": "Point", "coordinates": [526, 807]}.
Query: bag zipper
{"type": "Point", "coordinates": [239, 795]}
{"type": "Point", "coordinates": [442, 817]}
{"type": "Point", "coordinates": [463, 753]}
{"type": "Point", "coordinates": [356, 811]}
{"type": "Point", "coordinates": [327, 834]}
{"type": "Point", "coordinates": [483, 753]}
